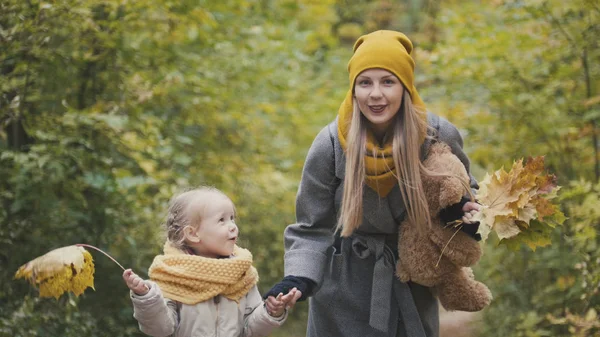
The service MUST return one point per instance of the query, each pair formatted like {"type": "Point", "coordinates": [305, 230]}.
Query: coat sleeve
{"type": "Point", "coordinates": [257, 322]}
{"type": "Point", "coordinates": [156, 315]}
{"type": "Point", "coordinates": [448, 133]}
{"type": "Point", "coordinates": [307, 241]}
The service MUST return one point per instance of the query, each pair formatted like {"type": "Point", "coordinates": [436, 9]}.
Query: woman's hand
{"type": "Point", "coordinates": [135, 283]}
{"type": "Point", "coordinates": [470, 208]}
{"type": "Point", "coordinates": [276, 305]}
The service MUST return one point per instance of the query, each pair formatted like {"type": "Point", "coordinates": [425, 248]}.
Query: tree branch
{"type": "Point", "coordinates": [557, 23]}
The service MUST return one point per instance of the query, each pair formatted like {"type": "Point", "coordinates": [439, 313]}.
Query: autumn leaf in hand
{"type": "Point", "coordinates": [63, 269]}
{"type": "Point", "coordinates": [517, 204]}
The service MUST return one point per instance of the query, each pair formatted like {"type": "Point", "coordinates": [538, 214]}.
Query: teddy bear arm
{"type": "Point", "coordinates": [451, 192]}
{"type": "Point", "coordinates": [419, 259]}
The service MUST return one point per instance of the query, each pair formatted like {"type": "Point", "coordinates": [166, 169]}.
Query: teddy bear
{"type": "Point", "coordinates": [440, 257]}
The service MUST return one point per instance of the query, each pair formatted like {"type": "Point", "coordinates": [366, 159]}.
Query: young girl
{"type": "Point", "coordinates": [361, 179]}
{"type": "Point", "coordinates": [204, 284]}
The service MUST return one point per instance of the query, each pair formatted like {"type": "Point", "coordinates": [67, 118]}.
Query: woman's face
{"type": "Point", "coordinates": [379, 95]}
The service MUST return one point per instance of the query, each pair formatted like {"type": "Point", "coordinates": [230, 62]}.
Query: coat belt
{"type": "Point", "coordinates": [368, 245]}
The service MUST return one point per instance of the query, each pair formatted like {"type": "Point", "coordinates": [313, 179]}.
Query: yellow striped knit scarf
{"type": "Point", "coordinates": [192, 279]}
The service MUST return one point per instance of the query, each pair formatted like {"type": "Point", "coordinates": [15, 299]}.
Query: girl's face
{"type": "Point", "coordinates": [217, 232]}
{"type": "Point", "coordinates": [378, 93]}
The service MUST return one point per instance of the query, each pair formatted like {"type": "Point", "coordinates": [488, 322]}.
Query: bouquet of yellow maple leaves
{"type": "Point", "coordinates": [517, 205]}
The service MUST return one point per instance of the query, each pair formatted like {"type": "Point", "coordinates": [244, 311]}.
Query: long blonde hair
{"type": "Point", "coordinates": [407, 134]}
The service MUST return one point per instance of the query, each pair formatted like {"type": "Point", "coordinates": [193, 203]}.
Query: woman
{"type": "Point", "coordinates": [361, 178]}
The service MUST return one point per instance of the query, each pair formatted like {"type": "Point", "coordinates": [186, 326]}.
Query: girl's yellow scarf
{"type": "Point", "coordinates": [192, 279]}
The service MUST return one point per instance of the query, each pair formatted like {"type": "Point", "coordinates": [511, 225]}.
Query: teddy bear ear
{"type": "Point", "coordinates": [439, 148]}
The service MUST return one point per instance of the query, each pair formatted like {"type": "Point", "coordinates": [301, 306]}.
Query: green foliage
{"type": "Point", "coordinates": [110, 107]}
{"type": "Point", "coordinates": [534, 292]}
{"type": "Point", "coordinates": [523, 66]}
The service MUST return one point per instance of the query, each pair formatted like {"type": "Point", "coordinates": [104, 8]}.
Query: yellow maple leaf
{"type": "Point", "coordinates": [64, 269]}
{"type": "Point", "coordinates": [60, 270]}
{"type": "Point", "coordinates": [544, 207]}
{"type": "Point", "coordinates": [526, 214]}
{"type": "Point", "coordinates": [506, 227]}
{"type": "Point", "coordinates": [524, 199]}
{"type": "Point", "coordinates": [521, 177]}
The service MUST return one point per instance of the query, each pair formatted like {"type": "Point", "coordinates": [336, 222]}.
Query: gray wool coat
{"type": "Point", "coordinates": [357, 293]}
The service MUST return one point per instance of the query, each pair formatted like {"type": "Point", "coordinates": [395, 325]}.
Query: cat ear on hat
{"type": "Point", "coordinates": [358, 42]}
{"type": "Point", "coordinates": [403, 39]}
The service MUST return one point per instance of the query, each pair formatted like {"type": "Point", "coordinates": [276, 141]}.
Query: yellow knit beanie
{"type": "Point", "coordinates": [385, 49]}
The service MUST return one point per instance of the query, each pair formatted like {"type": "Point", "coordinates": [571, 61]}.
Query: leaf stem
{"type": "Point", "coordinates": [447, 243]}
{"type": "Point", "coordinates": [101, 251]}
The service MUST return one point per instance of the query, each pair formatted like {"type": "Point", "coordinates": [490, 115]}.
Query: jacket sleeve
{"type": "Point", "coordinates": [156, 315]}
{"type": "Point", "coordinates": [257, 322]}
{"type": "Point", "coordinates": [307, 241]}
{"type": "Point", "coordinates": [448, 133]}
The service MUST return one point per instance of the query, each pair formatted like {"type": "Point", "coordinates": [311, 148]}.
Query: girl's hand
{"type": "Point", "coordinates": [276, 305]}
{"type": "Point", "coordinates": [470, 209]}
{"type": "Point", "coordinates": [135, 283]}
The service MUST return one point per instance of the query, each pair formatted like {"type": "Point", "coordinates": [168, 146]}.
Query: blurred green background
{"type": "Point", "coordinates": [108, 108]}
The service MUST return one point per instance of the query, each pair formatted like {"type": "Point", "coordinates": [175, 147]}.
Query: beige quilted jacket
{"type": "Point", "coordinates": [217, 317]}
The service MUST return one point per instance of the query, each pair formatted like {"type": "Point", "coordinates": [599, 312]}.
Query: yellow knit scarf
{"type": "Point", "coordinates": [192, 279]}
{"type": "Point", "coordinates": [380, 171]}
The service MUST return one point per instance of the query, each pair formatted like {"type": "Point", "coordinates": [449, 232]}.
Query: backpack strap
{"type": "Point", "coordinates": [434, 122]}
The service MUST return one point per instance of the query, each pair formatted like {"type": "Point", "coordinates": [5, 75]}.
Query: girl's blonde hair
{"type": "Point", "coordinates": [409, 124]}
{"type": "Point", "coordinates": [187, 209]}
